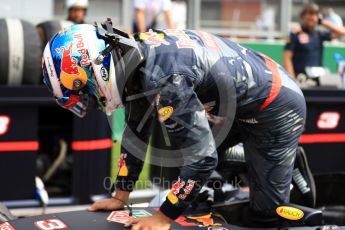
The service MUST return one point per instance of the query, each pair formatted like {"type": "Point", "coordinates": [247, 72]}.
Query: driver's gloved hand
{"type": "Point", "coordinates": [304, 191]}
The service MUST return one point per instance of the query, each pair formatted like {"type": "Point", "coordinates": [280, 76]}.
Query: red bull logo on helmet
{"type": "Point", "coordinates": [70, 70]}
{"type": "Point", "coordinates": [68, 63]}
{"type": "Point", "coordinates": [85, 61]}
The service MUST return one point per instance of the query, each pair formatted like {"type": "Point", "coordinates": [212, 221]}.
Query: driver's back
{"type": "Point", "coordinates": [213, 61]}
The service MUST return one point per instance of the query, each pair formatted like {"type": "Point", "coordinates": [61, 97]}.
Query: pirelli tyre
{"type": "Point", "coordinates": [20, 51]}
{"type": "Point", "coordinates": [48, 29]}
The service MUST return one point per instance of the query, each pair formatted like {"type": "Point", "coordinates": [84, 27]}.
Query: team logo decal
{"type": "Point", "coordinates": [104, 74]}
{"type": "Point", "coordinates": [205, 220]}
{"type": "Point", "coordinates": [290, 213]}
{"type": "Point", "coordinates": [71, 72]}
{"type": "Point", "coordinates": [85, 60]}
{"type": "Point", "coordinates": [187, 190]}
{"type": "Point", "coordinates": [123, 170]}
{"type": "Point", "coordinates": [155, 39]}
{"type": "Point", "coordinates": [201, 221]}
{"type": "Point", "coordinates": [121, 217]}
{"type": "Point", "coordinates": [183, 40]}
{"type": "Point", "coordinates": [141, 213]}
{"type": "Point", "coordinates": [51, 224]}
{"type": "Point", "coordinates": [6, 226]}
{"type": "Point", "coordinates": [182, 220]}
{"type": "Point", "coordinates": [175, 193]}
{"type": "Point", "coordinates": [165, 113]}
{"type": "Point", "coordinates": [303, 38]}
{"type": "Point", "coordinates": [208, 40]}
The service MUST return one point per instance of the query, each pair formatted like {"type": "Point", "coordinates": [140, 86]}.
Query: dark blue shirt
{"type": "Point", "coordinates": [307, 48]}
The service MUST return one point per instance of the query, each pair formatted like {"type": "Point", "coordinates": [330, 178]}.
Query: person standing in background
{"type": "Point", "coordinates": [330, 15]}
{"type": "Point", "coordinates": [77, 10]}
{"type": "Point", "coordinates": [304, 47]}
{"type": "Point", "coordinates": [179, 14]}
{"type": "Point", "coordinates": [146, 12]}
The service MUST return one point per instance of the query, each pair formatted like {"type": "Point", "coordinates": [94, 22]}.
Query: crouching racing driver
{"type": "Point", "coordinates": [182, 71]}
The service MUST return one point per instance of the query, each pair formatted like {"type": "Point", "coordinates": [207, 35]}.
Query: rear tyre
{"type": "Point", "coordinates": [48, 29]}
{"type": "Point", "coordinates": [20, 51]}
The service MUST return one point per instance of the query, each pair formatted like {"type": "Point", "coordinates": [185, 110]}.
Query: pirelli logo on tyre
{"type": "Point", "coordinates": [290, 213]}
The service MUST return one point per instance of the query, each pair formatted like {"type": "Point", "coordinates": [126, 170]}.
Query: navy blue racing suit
{"type": "Point", "coordinates": [197, 84]}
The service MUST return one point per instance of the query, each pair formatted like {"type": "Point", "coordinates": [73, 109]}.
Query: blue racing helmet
{"type": "Point", "coordinates": [88, 60]}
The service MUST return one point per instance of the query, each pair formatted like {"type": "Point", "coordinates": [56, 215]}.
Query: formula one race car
{"type": "Point", "coordinates": [295, 215]}
{"type": "Point", "coordinates": [220, 206]}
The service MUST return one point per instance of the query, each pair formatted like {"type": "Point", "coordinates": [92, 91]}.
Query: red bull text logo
{"type": "Point", "coordinates": [81, 49]}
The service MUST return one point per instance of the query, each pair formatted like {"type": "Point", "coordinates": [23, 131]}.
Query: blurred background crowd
{"type": "Point", "coordinates": [264, 25]}
{"type": "Point", "coordinates": [272, 18]}
{"type": "Point", "coordinates": [267, 18]}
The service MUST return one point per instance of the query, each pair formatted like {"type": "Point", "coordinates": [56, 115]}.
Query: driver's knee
{"type": "Point", "coordinates": [270, 181]}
